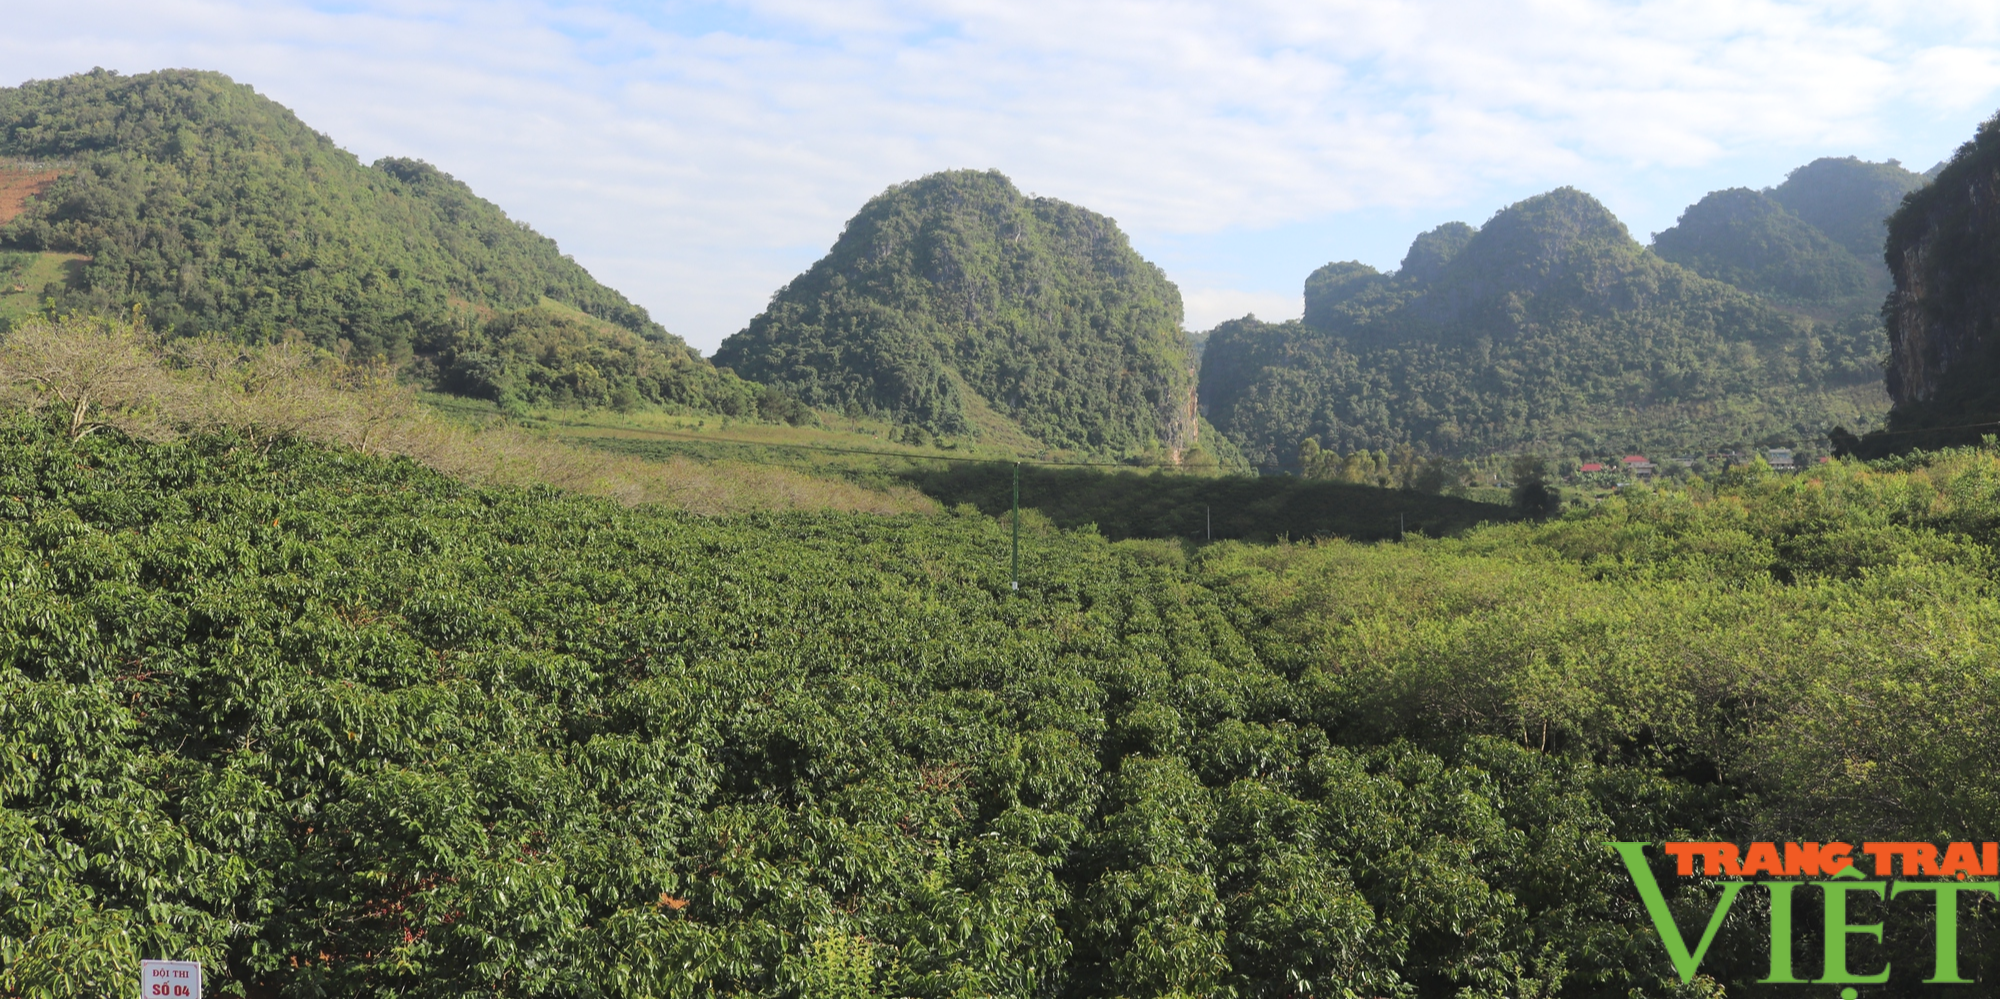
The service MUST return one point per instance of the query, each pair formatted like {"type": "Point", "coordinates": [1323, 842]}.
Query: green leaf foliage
{"type": "Point", "coordinates": [338, 725]}
{"type": "Point", "coordinates": [958, 304]}
{"type": "Point", "coordinates": [334, 724]}
{"type": "Point", "coordinates": [1547, 329]}
{"type": "Point", "coordinates": [550, 355]}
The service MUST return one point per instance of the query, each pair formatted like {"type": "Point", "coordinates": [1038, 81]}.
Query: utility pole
{"type": "Point", "coordinates": [1017, 527]}
{"type": "Point", "coordinates": [1208, 521]}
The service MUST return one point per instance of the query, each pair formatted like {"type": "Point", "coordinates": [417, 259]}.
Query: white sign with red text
{"type": "Point", "coordinates": [175, 980]}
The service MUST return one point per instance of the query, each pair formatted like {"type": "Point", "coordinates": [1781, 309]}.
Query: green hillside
{"type": "Point", "coordinates": [958, 305]}
{"type": "Point", "coordinates": [1548, 329]}
{"type": "Point", "coordinates": [1747, 239]}
{"type": "Point", "coordinates": [553, 354]}
{"type": "Point", "coordinates": [1812, 245]}
{"type": "Point", "coordinates": [214, 209]}
{"type": "Point", "coordinates": [1848, 199]}
{"type": "Point", "coordinates": [217, 209]}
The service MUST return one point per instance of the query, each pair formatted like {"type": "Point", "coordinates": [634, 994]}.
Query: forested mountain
{"type": "Point", "coordinates": [959, 305]}
{"type": "Point", "coordinates": [215, 209]}
{"type": "Point", "coordinates": [1848, 199]}
{"type": "Point", "coordinates": [1748, 239]}
{"type": "Point", "coordinates": [1944, 251]}
{"type": "Point", "coordinates": [1548, 328]}
{"type": "Point", "coordinates": [1812, 245]}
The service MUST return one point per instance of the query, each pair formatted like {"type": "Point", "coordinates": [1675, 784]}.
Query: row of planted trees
{"type": "Point", "coordinates": [1530, 477]}
{"type": "Point", "coordinates": [1401, 467]}
{"type": "Point", "coordinates": [333, 724]}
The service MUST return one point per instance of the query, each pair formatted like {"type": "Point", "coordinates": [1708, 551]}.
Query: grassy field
{"type": "Point", "coordinates": [855, 449]}
{"type": "Point", "coordinates": [1121, 502]}
{"type": "Point", "coordinates": [24, 275]}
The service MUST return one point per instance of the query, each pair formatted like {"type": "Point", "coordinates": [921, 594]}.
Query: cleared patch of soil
{"type": "Point", "coordinates": [17, 186]}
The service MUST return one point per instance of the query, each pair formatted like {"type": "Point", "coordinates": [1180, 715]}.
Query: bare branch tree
{"type": "Point", "coordinates": [99, 372]}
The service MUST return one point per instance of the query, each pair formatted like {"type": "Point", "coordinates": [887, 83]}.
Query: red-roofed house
{"type": "Point", "coordinates": [1591, 467]}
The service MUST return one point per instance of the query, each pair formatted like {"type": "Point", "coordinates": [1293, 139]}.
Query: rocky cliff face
{"type": "Point", "coordinates": [1942, 255]}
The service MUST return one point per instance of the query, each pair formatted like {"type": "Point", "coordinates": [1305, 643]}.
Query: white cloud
{"type": "Point", "coordinates": [696, 155]}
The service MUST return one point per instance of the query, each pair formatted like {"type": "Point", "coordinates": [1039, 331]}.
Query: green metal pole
{"type": "Point", "coordinates": [1017, 526]}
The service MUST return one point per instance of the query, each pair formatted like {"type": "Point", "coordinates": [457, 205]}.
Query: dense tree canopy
{"type": "Point", "coordinates": [1547, 328]}
{"type": "Point", "coordinates": [1747, 239]}
{"type": "Point", "coordinates": [1849, 199]}
{"type": "Point", "coordinates": [955, 301]}
{"type": "Point", "coordinates": [552, 355]}
{"type": "Point", "coordinates": [218, 210]}
{"type": "Point", "coordinates": [1812, 245]}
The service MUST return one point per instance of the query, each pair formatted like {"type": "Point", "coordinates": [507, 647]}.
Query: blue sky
{"type": "Point", "coordinates": [697, 155]}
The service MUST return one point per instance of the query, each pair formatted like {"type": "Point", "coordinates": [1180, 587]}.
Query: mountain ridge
{"type": "Point", "coordinates": [209, 208]}
{"type": "Point", "coordinates": [169, 167]}
{"type": "Point", "coordinates": [1547, 328]}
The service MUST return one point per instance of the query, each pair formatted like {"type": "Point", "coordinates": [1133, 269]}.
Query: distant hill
{"type": "Point", "coordinates": [960, 306]}
{"type": "Point", "coordinates": [1812, 245]}
{"type": "Point", "coordinates": [215, 209]}
{"type": "Point", "coordinates": [1548, 328]}
{"type": "Point", "coordinates": [1848, 199]}
{"type": "Point", "coordinates": [1748, 239]}
{"type": "Point", "coordinates": [1944, 356]}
